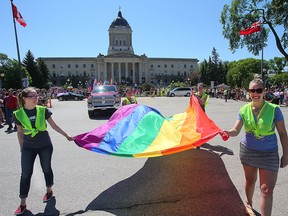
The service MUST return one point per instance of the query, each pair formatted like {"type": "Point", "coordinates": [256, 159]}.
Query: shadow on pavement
{"type": "Point", "coordinates": [217, 149]}
{"type": "Point", "coordinates": [193, 182]}
{"type": "Point", "coordinates": [50, 209]}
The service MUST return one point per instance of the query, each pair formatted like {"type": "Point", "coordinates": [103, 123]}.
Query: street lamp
{"type": "Point", "coordinates": [1, 80]}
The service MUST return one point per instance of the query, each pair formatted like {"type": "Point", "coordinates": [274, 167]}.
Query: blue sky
{"type": "Point", "coordinates": [79, 28]}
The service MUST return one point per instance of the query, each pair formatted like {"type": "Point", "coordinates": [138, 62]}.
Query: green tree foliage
{"type": "Point", "coordinates": [242, 72]}
{"type": "Point", "coordinates": [213, 70]}
{"type": "Point", "coordinates": [241, 14]}
{"type": "Point", "coordinates": [277, 64]}
{"type": "Point", "coordinates": [33, 69]}
{"type": "Point", "coordinates": [10, 69]}
{"type": "Point", "coordinates": [279, 79]}
{"type": "Point", "coordinates": [45, 73]}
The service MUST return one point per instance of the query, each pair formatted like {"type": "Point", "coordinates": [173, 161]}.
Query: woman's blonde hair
{"type": "Point", "coordinates": [257, 79]}
{"type": "Point", "coordinates": [24, 93]}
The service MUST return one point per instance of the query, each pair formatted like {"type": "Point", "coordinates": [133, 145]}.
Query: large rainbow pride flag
{"type": "Point", "coordinates": [141, 131]}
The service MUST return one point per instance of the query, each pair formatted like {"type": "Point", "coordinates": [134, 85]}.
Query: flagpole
{"type": "Point", "coordinates": [262, 52]}
{"type": "Point", "coordinates": [17, 46]}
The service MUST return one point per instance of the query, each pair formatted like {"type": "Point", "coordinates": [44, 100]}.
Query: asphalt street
{"type": "Point", "coordinates": [205, 181]}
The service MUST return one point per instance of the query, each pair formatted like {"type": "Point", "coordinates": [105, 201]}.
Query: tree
{"type": "Point", "coordinates": [45, 73]}
{"type": "Point", "coordinates": [213, 70]}
{"type": "Point", "coordinates": [32, 68]}
{"type": "Point", "coordinates": [241, 72]}
{"type": "Point", "coordinates": [241, 14]}
{"type": "Point", "coordinates": [277, 64]}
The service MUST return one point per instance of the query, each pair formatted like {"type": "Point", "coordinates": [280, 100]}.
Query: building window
{"type": "Point", "coordinates": [151, 66]}
{"type": "Point", "coordinates": [84, 73]}
{"type": "Point", "coordinates": [53, 66]}
{"type": "Point", "coordinates": [159, 66]}
{"type": "Point", "coordinates": [172, 66]}
{"type": "Point", "coordinates": [69, 73]}
{"type": "Point", "coordinates": [165, 66]}
{"type": "Point", "coordinates": [69, 66]}
{"type": "Point", "coordinates": [116, 42]}
{"type": "Point", "coordinates": [124, 44]}
{"type": "Point", "coordinates": [84, 65]}
{"type": "Point", "coordinates": [92, 65]}
{"type": "Point", "coordinates": [76, 66]}
{"type": "Point", "coordinates": [191, 66]}
{"type": "Point", "coordinates": [184, 65]}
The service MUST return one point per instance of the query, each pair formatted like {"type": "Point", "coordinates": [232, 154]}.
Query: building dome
{"type": "Point", "coordinates": [119, 21]}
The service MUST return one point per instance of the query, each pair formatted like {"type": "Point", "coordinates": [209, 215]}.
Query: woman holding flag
{"type": "Point", "coordinates": [259, 148]}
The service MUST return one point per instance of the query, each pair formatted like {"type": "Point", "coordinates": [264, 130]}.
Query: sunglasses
{"type": "Point", "coordinates": [32, 96]}
{"type": "Point", "coordinates": [259, 90]}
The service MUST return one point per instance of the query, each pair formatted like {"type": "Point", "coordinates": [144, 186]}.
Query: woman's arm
{"type": "Point", "coordinates": [58, 129]}
{"type": "Point", "coordinates": [235, 130]}
{"type": "Point", "coordinates": [20, 136]}
{"type": "Point", "coordinates": [284, 142]}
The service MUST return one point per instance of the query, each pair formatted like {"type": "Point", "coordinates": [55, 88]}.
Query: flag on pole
{"type": "Point", "coordinates": [17, 15]}
{"type": "Point", "coordinates": [255, 27]}
{"type": "Point", "coordinates": [95, 82]}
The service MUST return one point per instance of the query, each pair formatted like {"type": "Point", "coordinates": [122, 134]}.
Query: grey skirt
{"type": "Point", "coordinates": [268, 160]}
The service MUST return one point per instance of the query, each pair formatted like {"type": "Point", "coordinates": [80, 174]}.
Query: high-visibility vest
{"type": "Point", "coordinates": [40, 122]}
{"type": "Point", "coordinates": [203, 97]}
{"type": "Point", "coordinates": [263, 127]}
{"type": "Point", "coordinates": [129, 102]}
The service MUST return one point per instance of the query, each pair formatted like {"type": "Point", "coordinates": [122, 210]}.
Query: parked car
{"type": "Point", "coordinates": [103, 97]}
{"type": "Point", "coordinates": [70, 96]}
{"type": "Point", "coordinates": [180, 91]}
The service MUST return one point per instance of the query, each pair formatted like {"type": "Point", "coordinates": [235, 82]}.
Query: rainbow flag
{"type": "Point", "coordinates": [141, 131]}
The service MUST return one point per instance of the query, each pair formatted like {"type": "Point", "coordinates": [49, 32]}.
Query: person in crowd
{"type": "Point", "coordinates": [11, 104]}
{"type": "Point", "coordinates": [2, 115]}
{"type": "Point", "coordinates": [130, 99]}
{"type": "Point", "coordinates": [202, 96]}
{"type": "Point", "coordinates": [34, 140]}
{"type": "Point", "coordinates": [225, 94]}
{"type": "Point", "coordinates": [276, 98]}
{"type": "Point", "coordinates": [259, 148]}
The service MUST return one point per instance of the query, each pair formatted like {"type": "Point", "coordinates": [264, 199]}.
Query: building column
{"type": "Point", "coordinates": [112, 74]}
{"type": "Point", "coordinates": [119, 73]}
{"type": "Point", "coordinates": [140, 73]}
{"type": "Point", "coordinates": [98, 73]}
{"type": "Point", "coordinates": [105, 72]}
{"type": "Point", "coordinates": [126, 70]}
{"type": "Point", "coordinates": [133, 72]}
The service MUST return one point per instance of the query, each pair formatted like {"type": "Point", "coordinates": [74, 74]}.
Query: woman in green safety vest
{"type": "Point", "coordinates": [129, 98]}
{"type": "Point", "coordinates": [34, 140]}
{"type": "Point", "coordinates": [259, 147]}
{"type": "Point", "coordinates": [202, 96]}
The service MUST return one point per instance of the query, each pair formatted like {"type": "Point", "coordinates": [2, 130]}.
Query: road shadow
{"type": "Point", "coordinates": [220, 150]}
{"type": "Point", "coordinates": [193, 182]}
{"type": "Point", "coordinates": [50, 209]}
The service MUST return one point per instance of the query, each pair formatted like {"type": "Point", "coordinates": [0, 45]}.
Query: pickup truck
{"type": "Point", "coordinates": [103, 97]}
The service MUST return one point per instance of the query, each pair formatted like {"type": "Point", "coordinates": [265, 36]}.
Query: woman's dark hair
{"type": "Point", "coordinates": [24, 93]}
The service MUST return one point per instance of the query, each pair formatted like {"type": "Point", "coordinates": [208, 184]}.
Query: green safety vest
{"type": "Point", "coordinates": [128, 101]}
{"type": "Point", "coordinates": [40, 122]}
{"type": "Point", "coordinates": [203, 96]}
{"type": "Point", "coordinates": [265, 120]}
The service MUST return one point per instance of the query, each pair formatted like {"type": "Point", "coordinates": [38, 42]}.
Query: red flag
{"type": "Point", "coordinates": [255, 27]}
{"type": "Point", "coordinates": [17, 15]}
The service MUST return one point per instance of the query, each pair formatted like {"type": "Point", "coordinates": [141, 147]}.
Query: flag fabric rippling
{"type": "Point", "coordinates": [17, 15]}
{"type": "Point", "coordinates": [141, 131]}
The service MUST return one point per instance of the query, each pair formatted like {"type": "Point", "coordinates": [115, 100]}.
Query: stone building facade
{"type": "Point", "coordinates": [120, 65]}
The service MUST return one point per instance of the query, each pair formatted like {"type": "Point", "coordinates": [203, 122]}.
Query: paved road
{"type": "Point", "coordinates": [208, 181]}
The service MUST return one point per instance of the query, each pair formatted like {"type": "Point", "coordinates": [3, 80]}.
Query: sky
{"type": "Point", "coordinates": [79, 28]}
